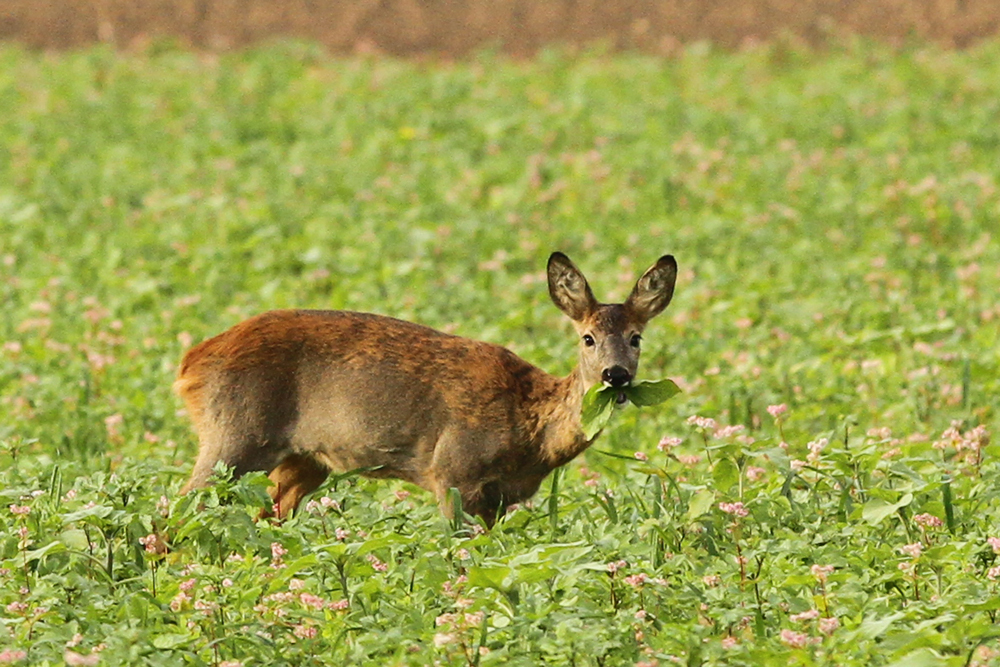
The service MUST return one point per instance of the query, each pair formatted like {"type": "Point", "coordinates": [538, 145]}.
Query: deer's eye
{"type": "Point", "coordinates": [588, 340]}
{"type": "Point", "coordinates": [635, 340]}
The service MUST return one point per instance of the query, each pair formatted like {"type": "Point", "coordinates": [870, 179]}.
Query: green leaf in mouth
{"type": "Point", "coordinates": [651, 392]}
{"type": "Point", "coordinates": [598, 404]}
{"type": "Point", "coordinates": [599, 401]}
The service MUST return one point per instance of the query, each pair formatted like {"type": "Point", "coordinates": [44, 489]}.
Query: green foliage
{"type": "Point", "coordinates": [599, 401]}
{"type": "Point", "coordinates": [822, 492]}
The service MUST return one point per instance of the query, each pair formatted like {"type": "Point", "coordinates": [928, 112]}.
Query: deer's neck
{"type": "Point", "coordinates": [561, 433]}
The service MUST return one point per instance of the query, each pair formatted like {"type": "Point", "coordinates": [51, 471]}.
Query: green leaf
{"type": "Point", "coordinates": [874, 626]}
{"type": "Point", "coordinates": [922, 657]}
{"type": "Point", "coordinates": [99, 511]}
{"type": "Point", "coordinates": [75, 538]}
{"type": "Point", "coordinates": [646, 393]}
{"type": "Point", "coordinates": [876, 509]}
{"type": "Point", "coordinates": [598, 405]}
{"type": "Point", "coordinates": [37, 554]}
{"type": "Point", "coordinates": [725, 474]}
{"type": "Point", "coordinates": [486, 576]}
{"type": "Point", "coordinates": [599, 401]}
{"type": "Point", "coordinates": [170, 640]}
{"type": "Point", "coordinates": [700, 503]}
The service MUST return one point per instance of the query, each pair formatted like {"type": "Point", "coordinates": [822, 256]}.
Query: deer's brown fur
{"type": "Point", "coordinates": [297, 393]}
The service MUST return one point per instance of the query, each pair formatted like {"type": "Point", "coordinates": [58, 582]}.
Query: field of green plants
{"type": "Point", "coordinates": [823, 492]}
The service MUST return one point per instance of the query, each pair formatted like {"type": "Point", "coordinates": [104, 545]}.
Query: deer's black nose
{"type": "Point", "coordinates": [616, 376]}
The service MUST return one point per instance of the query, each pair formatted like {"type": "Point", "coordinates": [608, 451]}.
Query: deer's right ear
{"type": "Point", "coordinates": [568, 288]}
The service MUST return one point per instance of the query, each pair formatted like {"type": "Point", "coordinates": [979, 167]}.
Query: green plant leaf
{"type": "Point", "coordinates": [876, 509]}
{"type": "Point", "coordinates": [725, 474]}
{"type": "Point", "coordinates": [599, 401]}
{"type": "Point", "coordinates": [700, 503]}
{"type": "Point", "coordinates": [598, 405]}
{"type": "Point", "coordinates": [651, 392]}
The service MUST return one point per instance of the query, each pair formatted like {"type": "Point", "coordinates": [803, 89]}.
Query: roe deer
{"type": "Point", "coordinates": [297, 393]}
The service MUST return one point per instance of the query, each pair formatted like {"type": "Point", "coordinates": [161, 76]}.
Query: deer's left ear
{"type": "Point", "coordinates": [654, 290]}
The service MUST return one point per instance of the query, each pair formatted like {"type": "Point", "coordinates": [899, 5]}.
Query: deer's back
{"type": "Point", "coordinates": [360, 390]}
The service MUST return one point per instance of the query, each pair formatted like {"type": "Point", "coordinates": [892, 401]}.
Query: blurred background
{"type": "Point", "coordinates": [520, 27]}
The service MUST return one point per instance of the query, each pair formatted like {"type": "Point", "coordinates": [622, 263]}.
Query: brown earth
{"type": "Point", "coordinates": [520, 27]}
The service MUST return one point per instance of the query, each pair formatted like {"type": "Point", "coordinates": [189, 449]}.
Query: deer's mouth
{"type": "Point", "coordinates": [621, 398]}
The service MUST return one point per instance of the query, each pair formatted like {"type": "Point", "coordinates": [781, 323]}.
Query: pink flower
{"type": "Point", "coordinates": [816, 447]}
{"type": "Point", "coordinates": [689, 459]}
{"type": "Point", "coordinates": [277, 551]}
{"type": "Point", "coordinates": [821, 572]}
{"type": "Point", "coordinates": [730, 643]}
{"type": "Point", "coordinates": [152, 544]}
{"type": "Point", "coordinates": [828, 625]}
{"type": "Point", "coordinates": [703, 423]}
{"type": "Point", "coordinates": [754, 473]}
{"type": "Point", "coordinates": [883, 433]}
{"type": "Point", "coordinates": [17, 607]}
{"type": "Point", "coordinates": [711, 580]}
{"type": "Point", "coordinates": [9, 655]}
{"type": "Point", "coordinates": [444, 638]}
{"type": "Point", "coordinates": [206, 606]}
{"type": "Point", "coordinates": [617, 565]}
{"type": "Point", "coordinates": [179, 600]}
{"type": "Point", "coordinates": [296, 585]}
{"type": "Point", "coordinates": [310, 600]}
{"type": "Point", "coordinates": [329, 503]}
{"type": "Point", "coordinates": [777, 410]}
{"type": "Point", "coordinates": [230, 663]}
{"type": "Point", "coordinates": [636, 580]}
{"type": "Point", "coordinates": [402, 494]}
{"type": "Point", "coordinates": [339, 605]}
{"type": "Point", "coordinates": [188, 584]}
{"type": "Point", "coordinates": [377, 564]}
{"type": "Point", "coordinates": [724, 432]}
{"type": "Point", "coordinates": [993, 573]}
{"type": "Point", "coordinates": [794, 639]}
{"type": "Point", "coordinates": [305, 631]}
{"type": "Point", "coordinates": [927, 521]}
{"type": "Point", "coordinates": [20, 510]}
{"type": "Point", "coordinates": [797, 465]}
{"type": "Point", "coordinates": [736, 509]}
{"type": "Point", "coordinates": [667, 443]}
{"type": "Point", "coordinates": [640, 615]}
{"type": "Point", "coordinates": [994, 543]}
{"type": "Point", "coordinates": [74, 659]}
{"type": "Point", "coordinates": [342, 534]}
{"type": "Point", "coordinates": [641, 456]}
{"type": "Point", "coordinates": [912, 550]}
{"type": "Point", "coordinates": [804, 616]}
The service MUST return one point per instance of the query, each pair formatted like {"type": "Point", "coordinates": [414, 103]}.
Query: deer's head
{"type": "Point", "coordinates": [610, 333]}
